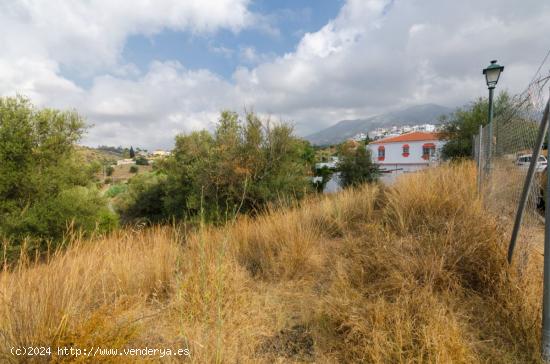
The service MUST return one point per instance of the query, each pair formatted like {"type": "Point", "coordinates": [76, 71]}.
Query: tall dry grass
{"type": "Point", "coordinates": [411, 273]}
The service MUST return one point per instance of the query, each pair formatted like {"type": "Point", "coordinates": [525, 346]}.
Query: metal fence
{"type": "Point", "coordinates": [504, 160]}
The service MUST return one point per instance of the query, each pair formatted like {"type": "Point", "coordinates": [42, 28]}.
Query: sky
{"type": "Point", "coordinates": [141, 71]}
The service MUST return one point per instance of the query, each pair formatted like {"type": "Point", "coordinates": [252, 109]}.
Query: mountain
{"type": "Point", "coordinates": [342, 130]}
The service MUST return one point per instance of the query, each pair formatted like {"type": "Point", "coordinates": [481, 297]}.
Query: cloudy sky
{"type": "Point", "coordinates": [142, 71]}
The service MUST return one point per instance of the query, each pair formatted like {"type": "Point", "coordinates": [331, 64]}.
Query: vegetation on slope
{"type": "Point", "coordinates": [411, 273]}
{"type": "Point", "coordinates": [44, 187]}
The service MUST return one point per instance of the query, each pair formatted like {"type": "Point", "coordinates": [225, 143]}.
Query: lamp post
{"type": "Point", "coordinates": [492, 74]}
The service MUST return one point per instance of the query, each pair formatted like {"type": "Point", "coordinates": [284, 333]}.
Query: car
{"type": "Point", "coordinates": [525, 160]}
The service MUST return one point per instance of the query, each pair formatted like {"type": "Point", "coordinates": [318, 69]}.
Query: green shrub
{"type": "Point", "coordinates": [78, 208]}
{"type": "Point", "coordinates": [109, 170]}
{"type": "Point", "coordinates": [116, 189]}
{"type": "Point", "coordinates": [143, 197]}
{"type": "Point", "coordinates": [134, 169]}
{"type": "Point", "coordinates": [43, 180]}
{"type": "Point", "coordinates": [142, 161]}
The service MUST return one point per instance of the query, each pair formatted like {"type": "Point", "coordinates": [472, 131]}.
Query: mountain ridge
{"type": "Point", "coordinates": [412, 115]}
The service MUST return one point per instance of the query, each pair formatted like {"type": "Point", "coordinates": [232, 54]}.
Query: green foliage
{"type": "Point", "coordinates": [326, 174]}
{"type": "Point", "coordinates": [131, 152]}
{"type": "Point", "coordinates": [142, 161]}
{"type": "Point", "coordinates": [80, 208]}
{"type": "Point", "coordinates": [464, 125]}
{"type": "Point", "coordinates": [109, 170]}
{"type": "Point", "coordinates": [142, 198]}
{"type": "Point", "coordinates": [42, 181]}
{"type": "Point", "coordinates": [240, 168]}
{"type": "Point", "coordinates": [115, 190]}
{"type": "Point", "coordinates": [134, 169]}
{"type": "Point", "coordinates": [356, 166]}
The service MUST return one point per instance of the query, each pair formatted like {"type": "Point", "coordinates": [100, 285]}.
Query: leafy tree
{"type": "Point", "coordinates": [464, 124]}
{"type": "Point", "coordinates": [241, 167]}
{"type": "Point", "coordinates": [142, 198]}
{"type": "Point", "coordinates": [43, 186]}
{"type": "Point", "coordinates": [132, 153]}
{"type": "Point", "coordinates": [356, 166]}
{"type": "Point", "coordinates": [141, 161]}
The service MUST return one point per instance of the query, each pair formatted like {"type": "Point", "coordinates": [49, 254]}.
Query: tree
{"type": "Point", "coordinates": [141, 161]}
{"type": "Point", "coordinates": [41, 173]}
{"type": "Point", "coordinates": [464, 124]}
{"type": "Point", "coordinates": [241, 167]}
{"type": "Point", "coordinates": [132, 153]}
{"type": "Point", "coordinates": [356, 166]}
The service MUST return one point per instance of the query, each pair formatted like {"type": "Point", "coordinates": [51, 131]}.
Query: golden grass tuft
{"type": "Point", "coordinates": [411, 273]}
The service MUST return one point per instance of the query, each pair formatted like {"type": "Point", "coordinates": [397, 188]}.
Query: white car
{"type": "Point", "coordinates": [525, 160]}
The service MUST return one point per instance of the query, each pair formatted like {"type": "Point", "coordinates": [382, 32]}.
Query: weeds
{"type": "Point", "coordinates": [412, 273]}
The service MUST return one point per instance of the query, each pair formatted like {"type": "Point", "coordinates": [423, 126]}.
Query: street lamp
{"type": "Point", "coordinates": [492, 74]}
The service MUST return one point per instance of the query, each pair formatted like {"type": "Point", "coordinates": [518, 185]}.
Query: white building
{"type": "Point", "coordinates": [160, 153]}
{"type": "Point", "coordinates": [122, 162]}
{"type": "Point", "coordinates": [406, 153]}
{"type": "Point", "coordinates": [331, 164]}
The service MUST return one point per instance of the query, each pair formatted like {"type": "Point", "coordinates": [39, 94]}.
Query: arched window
{"type": "Point", "coordinates": [381, 153]}
{"type": "Point", "coordinates": [405, 150]}
{"type": "Point", "coordinates": [428, 150]}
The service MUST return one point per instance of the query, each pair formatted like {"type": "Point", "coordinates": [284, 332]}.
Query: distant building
{"type": "Point", "coordinates": [122, 162]}
{"type": "Point", "coordinates": [359, 137]}
{"type": "Point", "coordinates": [160, 153]}
{"type": "Point", "coordinates": [331, 164]}
{"type": "Point", "coordinates": [407, 152]}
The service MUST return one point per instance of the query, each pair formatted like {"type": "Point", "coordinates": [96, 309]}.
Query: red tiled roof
{"type": "Point", "coordinates": [415, 136]}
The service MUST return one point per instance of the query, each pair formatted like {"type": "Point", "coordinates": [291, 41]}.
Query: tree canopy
{"type": "Point", "coordinates": [464, 124]}
{"type": "Point", "coordinates": [356, 166]}
{"type": "Point", "coordinates": [241, 167]}
{"type": "Point", "coordinates": [43, 187]}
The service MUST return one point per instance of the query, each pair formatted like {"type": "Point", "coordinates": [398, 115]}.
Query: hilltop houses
{"type": "Point", "coordinates": [407, 152]}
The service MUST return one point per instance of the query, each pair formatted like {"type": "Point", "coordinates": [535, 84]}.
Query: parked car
{"type": "Point", "coordinates": [525, 160]}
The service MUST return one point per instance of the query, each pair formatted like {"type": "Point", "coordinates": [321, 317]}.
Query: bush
{"type": "Point", "coordinates": [43, 181]}
{"type": "Point", "coordinates": [109, 170]}
{"type": "Point", "coordinates": [134, 169]}
{"type": "Point", "coordinates": [78, 208]}
{"type": "Point", "coordinates": [143, 197]}
{"type": "Point", "coordinates": [115, 190]}
{"type": "Point", "coordinates": [142, 161]}
{"type": "Point", "coordinates": [356, 166]}
{"type": "Point", "coordinates": [242, 167]}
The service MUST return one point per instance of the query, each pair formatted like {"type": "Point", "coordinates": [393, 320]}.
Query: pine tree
{"type": "Point", "coordinates": [132, 153]}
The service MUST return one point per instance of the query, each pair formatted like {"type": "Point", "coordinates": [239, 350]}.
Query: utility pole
{"type": "Point", "coordinates": [545, 345]}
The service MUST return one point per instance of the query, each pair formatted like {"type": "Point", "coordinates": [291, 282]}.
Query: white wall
{"type": "Point", "coordinates": [394, 152]}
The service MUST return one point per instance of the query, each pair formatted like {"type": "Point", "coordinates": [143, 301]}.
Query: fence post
{"type": "Point", "coordinates": [545, 345]}
{"type": "Point", "coordinates": [479, 160]}
{"type": "Point", "coordinates": [528, 182]}
{"type": "Point", "coordinates": [490, 126]}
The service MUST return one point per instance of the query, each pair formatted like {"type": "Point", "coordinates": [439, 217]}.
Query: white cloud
{"type": "Point", "coordinates": [374, 55]}
{"type": "Point", "coordinates": [377, 55]}
{"type": "Point", "coordinates": [167, 100]}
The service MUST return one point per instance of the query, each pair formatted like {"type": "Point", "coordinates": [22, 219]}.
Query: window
{"type": "Point", "coordinates": [405, 150]}
{"type": "Point", "coordinates": [381, 153]}
{"type": "Point", "coordinates": [428, 150]}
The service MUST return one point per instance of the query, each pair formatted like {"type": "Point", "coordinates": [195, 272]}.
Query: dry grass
{"type": "Point", "coordinates": [412, 273]}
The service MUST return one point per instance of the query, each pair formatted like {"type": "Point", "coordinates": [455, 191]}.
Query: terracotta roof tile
{"type": "Point", "coordinates": [415, 136]}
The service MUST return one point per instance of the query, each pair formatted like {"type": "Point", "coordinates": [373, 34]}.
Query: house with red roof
{"type": "Point", "coordinates": [407, 152]}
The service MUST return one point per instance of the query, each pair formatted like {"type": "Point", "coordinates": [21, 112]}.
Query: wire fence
{"type": "Point", "coordinates": [503, 162]}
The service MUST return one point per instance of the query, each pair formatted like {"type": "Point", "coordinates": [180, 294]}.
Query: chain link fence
{"type": "Point", "coordinates": [503, 162]}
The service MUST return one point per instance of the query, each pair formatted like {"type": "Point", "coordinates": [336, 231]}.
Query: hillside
{"type": "Point", "coordinates": [342, 130]}
{"type": "Point", "coordinates": [97, 155]}
{"type": "Point", "coordinates": [412, 273]}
